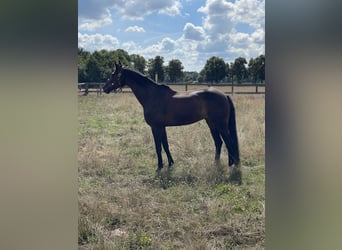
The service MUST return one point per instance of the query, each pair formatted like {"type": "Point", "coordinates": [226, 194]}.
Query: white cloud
{"type": "Point", "coordinates": [137, 10]}
{"type": "Point", "coordinates": [132, 47]}
{"type": "Point", "coordinates": [243, 40]}
{"type": "Point", "coordinates": [97, 13]}
{"type": "Point", "coordinates": [220, 21]}
{"type": "Point", "coordinates": [165, 46]}
{"type": "Point", "coordinates": [258, 36]}
{"type": "Point", "coordinates": [214, 46]}
{"type": "Point", "coordinates": [172, 10]}
{"type": "Point", "coordinates": [97, 42]}
{"type": "Point", "coordinates": [222, 16]}
{"type": "Point", "coordinates": [229, 29]}
{"type": "Point", "coordinates": [251, 12]}
{"type": "Point", "coordinates": [193, 32]}
{"type": "Point", "coordinates": [219, 16]}
{"type": "Point", "coordinates": [93, 24]}
{"type": "Point", "coordinates": [93, 9]}
{"type": "Point", "coordinates": [182, 49]}
{"type": "Point", "coordinates": [168, 44]}
{"type": "Point", "coordinates": [135, 29]}
{"type": "Point", "coordinates": [239, 38]}
{"type": "Point", "coordinates": [247, 45]}
{"type": "Point", "coordinates": [217, 7]}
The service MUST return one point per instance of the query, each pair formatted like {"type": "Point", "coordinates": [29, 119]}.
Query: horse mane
{"type": "Point", "coordinates": [138, 76]}
{"type": "Point", "coordinates": [143, 79]}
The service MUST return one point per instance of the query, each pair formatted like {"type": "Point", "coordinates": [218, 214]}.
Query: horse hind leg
{"type": "Point", "coordinates": [217, 140]}
{"type": "Point", "coordinates": [218, 143]}
{"type": "Point", "coordinates": [230, 147]}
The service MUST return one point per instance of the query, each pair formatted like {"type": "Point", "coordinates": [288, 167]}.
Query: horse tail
{"type": "Point", "coordinates": [233, 132]}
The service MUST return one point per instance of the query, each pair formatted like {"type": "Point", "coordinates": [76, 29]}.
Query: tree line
{"type": "Point", "coordinates": [98, 65]}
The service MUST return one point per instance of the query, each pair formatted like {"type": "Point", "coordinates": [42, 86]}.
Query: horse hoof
{"type": "Point", "coordinates": [159, 168]}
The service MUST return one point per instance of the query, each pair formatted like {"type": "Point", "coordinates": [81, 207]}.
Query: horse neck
{"type": "Point", "coordinates": [142, 88]}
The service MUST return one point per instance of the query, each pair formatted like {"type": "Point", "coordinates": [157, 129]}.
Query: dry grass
{"type": "Point", "coordinates": [123, 204]}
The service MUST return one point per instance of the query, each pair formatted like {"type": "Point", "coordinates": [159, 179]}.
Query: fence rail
{"type": "Point", "coordinates": [88, 87]}
{"type": "Point", "coordinates": [245, 88]}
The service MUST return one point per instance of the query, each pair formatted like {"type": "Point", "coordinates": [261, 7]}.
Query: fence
{"type": "Point", "coordinates": [85, 88]}
{"type": "Point", "coordinates": [245, 88]}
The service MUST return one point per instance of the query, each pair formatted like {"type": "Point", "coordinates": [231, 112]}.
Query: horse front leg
{"type": "Point", "coordinates": [166, 147]}
{"type": "Point", "coordinates": [157, 136]}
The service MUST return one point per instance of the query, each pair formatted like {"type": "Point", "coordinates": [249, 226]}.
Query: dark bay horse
{"type": "Point", "coordinates": [165, 107]}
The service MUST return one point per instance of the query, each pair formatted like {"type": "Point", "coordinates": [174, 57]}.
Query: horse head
{"type": "Point", "coordinates": [115, 81]}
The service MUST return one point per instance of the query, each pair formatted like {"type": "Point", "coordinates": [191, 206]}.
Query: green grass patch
{"type": "Point", "coordinates": [197, 204]}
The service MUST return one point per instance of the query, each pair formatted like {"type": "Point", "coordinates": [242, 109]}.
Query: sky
{"type": "Point", "coordinates": [191, 31]}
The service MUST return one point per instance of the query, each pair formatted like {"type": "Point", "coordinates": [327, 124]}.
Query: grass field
{"type": "Point", "coordinates": [124, 204]}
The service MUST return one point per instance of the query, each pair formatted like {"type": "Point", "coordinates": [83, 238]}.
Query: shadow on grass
{"type": "Point", "coordinates": [218, 175]}
{"type": "Point", "coordinates": [165, 179]}
{"type": "Point", "coordinates": [235, 176]}
{"type": "Point", "coordinates": [215, 174]}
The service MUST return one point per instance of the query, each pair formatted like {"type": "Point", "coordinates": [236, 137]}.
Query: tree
{"type": "Point", "coordinates": [191, 76]}
{"type": "Point", "coordinates": [201, 77]}
{"type": "Point", "coordinates": [229, 71]}
{"type": "Point", "coordinates": [83, 58]}
{"type": "Point", "coordinates": [104, 64]}
{"type": "Point", "coordinates": [175, 70]}
{"type": "Point", "coordinates": [97, 66]}
{"type": "Point", "coordinates": [155, 66]}
{"type": "Point", "coordinates": [252, 70]}
{"type": "Point", "coordinates": [215, 69]}
{"type": "Point", "coordinates": [139, 62]}
{"type": "Point", "coordinates": [122, 56]}
{"type": "Point", "coordinates": [93, 70]}
{"type": "Point", "coordinates": [239, 69]}
{"type": "Point", "coordinates": [256, 69]}
{"type": "Point", "coordinates": [261, 60]}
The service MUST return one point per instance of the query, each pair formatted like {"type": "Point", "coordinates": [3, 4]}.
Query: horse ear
{"type": "Point", "coordinates": [117, 65]}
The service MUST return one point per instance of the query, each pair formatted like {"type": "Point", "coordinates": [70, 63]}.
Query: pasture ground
{"type": "Point", "coordinates": [124, 204]}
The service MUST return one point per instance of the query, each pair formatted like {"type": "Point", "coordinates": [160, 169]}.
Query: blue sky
{"type": "Point", "coordinates": [189, 30]}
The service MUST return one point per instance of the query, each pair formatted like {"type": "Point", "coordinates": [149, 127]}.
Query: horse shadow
{"type": "Point", "coordinates": [166, 178]}
{"type": "Point", "coordinates": [235, 175]}
{"type": "Point", "coordinates": [219, 174]}
{"type": "Point", "coordinates": [216, 174]}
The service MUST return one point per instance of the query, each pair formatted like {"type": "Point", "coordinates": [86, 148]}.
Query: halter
{"type": "Point", "coordinates": [119, 81]}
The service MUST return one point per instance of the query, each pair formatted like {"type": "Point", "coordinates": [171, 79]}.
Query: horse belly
{"type": "Point", "coordinates": [182, 118]}
{"type": "Point", "coordinates": [183, 113]}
